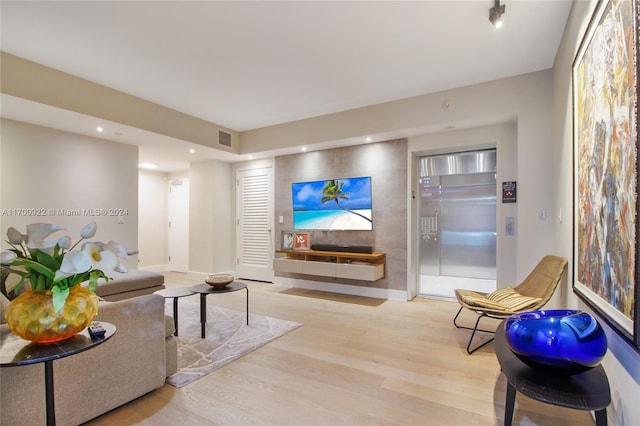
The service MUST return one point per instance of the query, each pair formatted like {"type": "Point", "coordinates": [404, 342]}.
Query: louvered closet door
{"type": "Point", "coordinates": [254, 222]}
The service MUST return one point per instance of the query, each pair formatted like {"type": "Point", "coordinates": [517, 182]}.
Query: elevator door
{"type": "Point", "coordinates": [457, 212]}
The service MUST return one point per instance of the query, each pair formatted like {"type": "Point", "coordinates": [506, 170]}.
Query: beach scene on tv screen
{"type": "Point", "coordinates": [333, 204]}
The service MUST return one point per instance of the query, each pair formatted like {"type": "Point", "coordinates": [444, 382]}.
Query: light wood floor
{"type": "Point", "coordinates": [355, 361]}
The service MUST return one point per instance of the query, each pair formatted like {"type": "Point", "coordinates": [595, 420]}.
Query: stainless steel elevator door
{"type": "Point", "coordinates": [468, 226]}
{"type": "Point", "coordinates": [457, 211]}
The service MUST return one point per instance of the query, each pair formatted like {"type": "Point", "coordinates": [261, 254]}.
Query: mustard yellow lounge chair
{"type": "Point", "coordinates": [530, 295]}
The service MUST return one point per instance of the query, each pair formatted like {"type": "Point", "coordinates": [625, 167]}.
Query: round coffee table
{"type": "Point", "coordinates": [175, 293]}
{"type": "Point", "coordinates": [206, 289]}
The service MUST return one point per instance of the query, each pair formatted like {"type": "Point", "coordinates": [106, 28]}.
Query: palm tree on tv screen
{"type": "Point", "coordinates": [332, 190]}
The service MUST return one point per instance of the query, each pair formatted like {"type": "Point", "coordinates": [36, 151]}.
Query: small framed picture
{"type": "Point", "coordinates": [287, 240]}
{"type": "Point", "coordinates": [301, 241]}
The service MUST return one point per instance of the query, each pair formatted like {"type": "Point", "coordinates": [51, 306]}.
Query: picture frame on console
{"type": "Point", "coordinates": [287, 240]}
{"type": "Point", "coordinates": [605, 171]}
{"type": "Point", "coordinates": [302, 241]}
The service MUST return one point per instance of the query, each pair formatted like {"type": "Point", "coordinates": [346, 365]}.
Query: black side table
{"type": "Point", "coordinates": [584, 391]}
{"type": "Point", "coordinates": [206, 289]}
{"type": "Point", "coordinates": [15, 352]}
{"type": "Point", "coordinates": [175, 293]}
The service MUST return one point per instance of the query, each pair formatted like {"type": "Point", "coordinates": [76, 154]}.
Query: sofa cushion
{"type": "Point", "coordinates": [131, 281]}
{"type": "Point", "coordinates": [505, 300]}
{"type": "Point", "coordinates": [513, 300]}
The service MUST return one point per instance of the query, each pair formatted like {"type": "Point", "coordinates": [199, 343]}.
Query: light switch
{"type": "Point", "coordinates": [280, 220]}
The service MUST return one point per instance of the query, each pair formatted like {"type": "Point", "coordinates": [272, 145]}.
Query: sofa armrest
{"type": "Point", "coordinates": [93, 382]}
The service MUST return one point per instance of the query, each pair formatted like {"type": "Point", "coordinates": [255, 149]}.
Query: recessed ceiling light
{"type": "Point", "coordinates": [250, 157]}
{"type": "Point", "coordinates": [368, 139]}
{"type": "Point", "coordinates": [145, 165]}
{"type": "Point", "coordinates": [99, 129]}
{"type": "Point", "coordinates": [192, 151]}
{"type": "Point", "coordinates": [304, 148]}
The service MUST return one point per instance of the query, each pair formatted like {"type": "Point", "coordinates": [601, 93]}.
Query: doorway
{"type": "Point", "coordinates": [457, 222]}
{"type": "Point", "coordinates": [178, 235]}
{"type": "Point", "coordinates": [254, 238]}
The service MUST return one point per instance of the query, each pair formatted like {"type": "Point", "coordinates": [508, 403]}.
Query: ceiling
{"type": "Point", "coordinates": [246, 65]}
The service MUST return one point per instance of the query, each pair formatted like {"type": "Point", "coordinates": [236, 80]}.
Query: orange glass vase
{"type": "Point", "coordinates": [31, 315]}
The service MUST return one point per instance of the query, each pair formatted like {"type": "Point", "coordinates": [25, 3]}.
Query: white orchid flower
{"type": "Point", "coordinates": [121, 267]}
{"type": "Point", "coordinates": [89, 230]}
{"type": "Point", "coordinates": [74, 262]}
{"type": "Point", "coordinates": [7, 257]}
{"type": "Point", "coordinates": [38, 232]}
{"type": "Point", "coordinates": [100, 257]}
{"type": "Point", "coordinates": [64, 242]}
{"type": "Point", "coordinates": [117, 248]}
{"type": "Point", "coordinates": [121, 253]}
{"type": "Point", "coordinates": [15, 236]}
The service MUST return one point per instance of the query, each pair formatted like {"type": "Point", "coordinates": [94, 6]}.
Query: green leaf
{"type": "Point", "coordinates": [47, 260]}
{"type": "Point", "coordinates": [59, 297]}
{"type": "Point", "coordinates": [93, 279]}
{"type": "Point", "coordinates": [34, 267]}
{"type": "Point", "coordinates": [78, 278]}
{"type": "Point", "coordinates": [41, 282]}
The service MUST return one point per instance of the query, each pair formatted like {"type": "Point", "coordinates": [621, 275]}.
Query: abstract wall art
{"type": "Point", "coordinates": [605, 133]}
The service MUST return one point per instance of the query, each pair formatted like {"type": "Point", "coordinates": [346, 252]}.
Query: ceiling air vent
{"type": "Point", "coordinates": [224, 138]}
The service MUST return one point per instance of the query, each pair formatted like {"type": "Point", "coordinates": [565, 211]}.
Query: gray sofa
{"type": "Point", "coordinates": [135, 361]}
{"type": "Point", "coordinates": [130, 284]}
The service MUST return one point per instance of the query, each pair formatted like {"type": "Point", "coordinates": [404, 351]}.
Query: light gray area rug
{"type": "Point", "coordinates": [228, 338]}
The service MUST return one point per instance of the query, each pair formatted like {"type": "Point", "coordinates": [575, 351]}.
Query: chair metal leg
{"type": "Point", "coordinates": [456, 317]}
{"type": "Point", "coordinates": [473, 333]}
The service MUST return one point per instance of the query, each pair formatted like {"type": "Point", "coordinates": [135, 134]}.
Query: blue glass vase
{"type": "Point", "coordinates": [559, 341]}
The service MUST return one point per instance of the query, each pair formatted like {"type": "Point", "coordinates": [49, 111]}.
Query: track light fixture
{"type": "Point", "coordinates": [495, 14]}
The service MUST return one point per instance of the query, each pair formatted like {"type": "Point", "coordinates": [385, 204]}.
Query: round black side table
{"type": "Point", "coordinates": [206, 289]}
{"type": "Point", "coordinates": [15, 352]}
{"type": "Point", "coordinates": [588, 390]}
{"type": "Point", "coordinates": [175, 293]}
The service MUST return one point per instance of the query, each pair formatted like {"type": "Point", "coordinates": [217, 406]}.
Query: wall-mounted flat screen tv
{"type": "Point", "coordinates": [333, 205]}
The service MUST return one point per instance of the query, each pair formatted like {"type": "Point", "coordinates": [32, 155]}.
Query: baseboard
{"type": "Point", "coordinates": [154, 268]}
{"type": "Point", "coordinates": [376, 293]}
{"type": "Point", "coordinates": [200, 276]}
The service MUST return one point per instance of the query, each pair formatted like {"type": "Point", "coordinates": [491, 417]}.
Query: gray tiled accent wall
{"type": "Point", "coordinates": [386, 163]}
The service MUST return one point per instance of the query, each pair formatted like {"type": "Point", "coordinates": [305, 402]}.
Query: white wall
{"type": "Point", "coordinates": [211, 218]}
{"type": "Point", "coordinates": [152, 222]}
{"type": "Point", "coordinates": [622, 362]}
{"type": "Point", "coordinates": [51, 171]}
{"type": "Point", "coordinates": [525, 100]}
